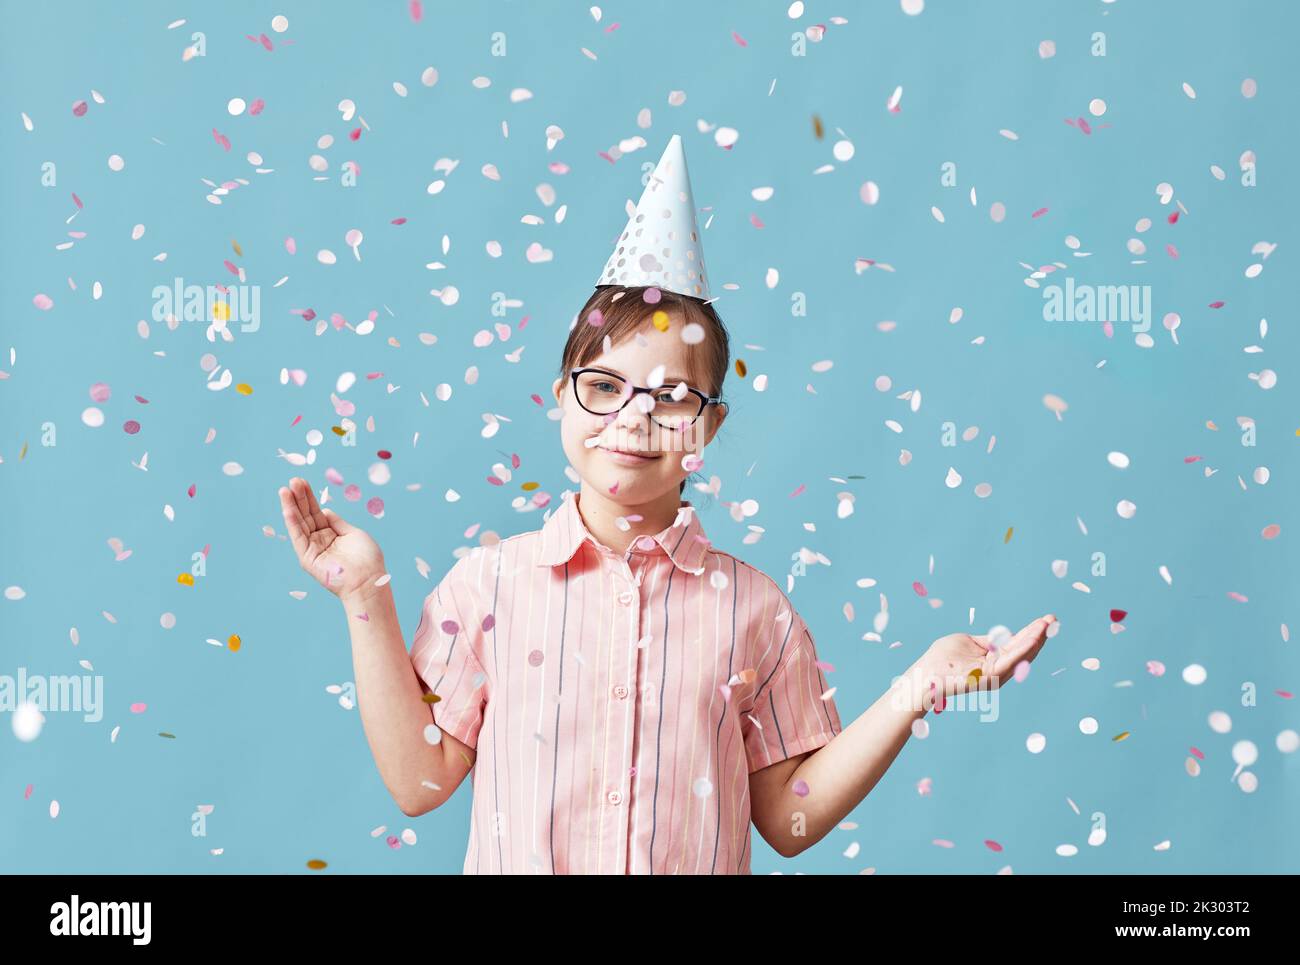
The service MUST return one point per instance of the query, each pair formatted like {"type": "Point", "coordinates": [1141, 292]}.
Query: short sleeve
{"type": "Point", "coordinates": [448, 654]}
{"type": "Point", "coordinates": [789, 715]}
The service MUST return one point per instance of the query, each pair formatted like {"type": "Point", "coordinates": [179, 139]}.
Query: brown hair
{"type": "Point", "coordinates": [623, 311]}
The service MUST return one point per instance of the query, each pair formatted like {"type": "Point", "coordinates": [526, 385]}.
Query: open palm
{"type": "Point", "coordinates": [965, 662]}
{"type": "Point", "coordinates": [342, 557]}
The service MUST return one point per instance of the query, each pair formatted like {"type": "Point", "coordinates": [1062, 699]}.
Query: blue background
{"type": "Point", "coordinates": [257, 736]}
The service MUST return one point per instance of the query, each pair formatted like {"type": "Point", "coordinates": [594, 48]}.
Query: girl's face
{"type": "Point", "coordinates": [592, 443]}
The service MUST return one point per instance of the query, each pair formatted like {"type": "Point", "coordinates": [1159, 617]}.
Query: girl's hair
{"type": "Point", "coordinates": [623, 311]}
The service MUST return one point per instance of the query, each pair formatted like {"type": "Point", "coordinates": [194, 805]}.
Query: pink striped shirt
{"type": "Point", "coordinates": [617, 702]}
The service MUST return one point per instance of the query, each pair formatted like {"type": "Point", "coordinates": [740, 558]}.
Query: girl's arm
{"type": "Point", "coordinates": [390, 697]}
{"type": "Point", "coordinates": [348, 563]}
{"type": "Point", "coordinates": [841, 773]}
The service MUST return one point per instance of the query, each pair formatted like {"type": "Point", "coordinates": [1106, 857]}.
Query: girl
{"type": "Point", "coordinates": [627, 697]}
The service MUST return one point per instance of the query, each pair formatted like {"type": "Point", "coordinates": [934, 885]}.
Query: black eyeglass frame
{"type": "Point", "coordinates": [705, 400]}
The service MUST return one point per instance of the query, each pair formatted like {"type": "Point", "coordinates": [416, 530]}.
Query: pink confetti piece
{"type": "Point", "coordinates": [489, 622]}
{"type": "Point", "coordinates": [739, 39]}
{"type": "Point", "coordinates": [79, 108]}
{"type": "Point", "coordinates": [43, 302]}
{"type": "Point", "coordinates": [1039, 213]}
{"type": "Point", "coordinates": [1271, 531]}
{"type": "Point", "coordinates": [799, 490]}
{"type": "Point", "coordinates": [417, 10]}
{"type": "Point", "coordinates": [1233, 594]}
{"type": "Point", "coordinates": [992, 845]}
{"type": "Point", "coordinates": [221, 139]}
{"type": "Point", "coordinates": [1217, 304]}
{"type": "Point", "coordinates": [756, 221]}
{"type": "Point", "coordinates": [398, 221]}
{"type": "Point", "coordinates": [77, 201]}
{"type": "Point", "coordinates": [919, 588]}
{"type": "Point", "coordinates": [138, 708]}
{"type": "Point", "coordinates": [943, 843]}
{"type": "Point", "coordinates": [1197, 753]}
{"type": "Point", "coordinates": [450, 627]}
{"type": "Point", "coordinates": [800, 787]}
{"type": "Point", "coordinates": [257, 107]}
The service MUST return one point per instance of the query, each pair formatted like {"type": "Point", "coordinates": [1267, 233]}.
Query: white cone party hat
{"type": "Point", "coordinates": [661, 244]}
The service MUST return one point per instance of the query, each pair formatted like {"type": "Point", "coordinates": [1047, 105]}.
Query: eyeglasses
{"type": "Point", "coordinates": [604, 393]}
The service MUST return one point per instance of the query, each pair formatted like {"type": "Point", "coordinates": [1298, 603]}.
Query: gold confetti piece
{"type": "Point", "coordinates": [431, 698]}
{"type": "Point", "coordinates": [338, 430]}
{"type": "Point", "coordinates": [974, 675]}
{"type": "Point", "coordinates": [185, 579]}
{"type": "Point", "coordinates": [741, 368]}
{"type": "Point", "coordinates": [316, 864]}
{"type": "Point", "coordinates": [163, 733]}
{"type": "Point", "coordinates": [243, 388]}
{"type": "Point", "coordinates": [238, 250]}
{"type": "Point", "coordinates": [528, 487]}
{"type": "Point", "coordinates": [220, 312]}
{"type": "Point", "coordinates": [234, 643]}
{"type": "Point", "coordinates": [23, 454]}
{"type": "Point", "coordinates": [1120, 736]}
{"type": "Point", "coordinates": [1007, 539]}
{"type": "Point", "coordinates": [660, 318]}
{"type": "Point", "coordinates": [817, 127]}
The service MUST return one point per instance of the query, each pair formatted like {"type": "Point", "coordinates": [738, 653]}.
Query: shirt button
{"type": "Point", "coordinates": [626, 597]}
{"type": "Point", "coordinates": [620, 691]}
{"type": "Point", "coordinates": [615, 797]}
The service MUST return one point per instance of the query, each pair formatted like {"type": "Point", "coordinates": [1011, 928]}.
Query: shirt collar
{"type": "Point", "coordinates": [684, 541]}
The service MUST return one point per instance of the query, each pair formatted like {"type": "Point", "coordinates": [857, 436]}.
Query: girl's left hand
{"type": "Point", "coordinates": [961, 662]}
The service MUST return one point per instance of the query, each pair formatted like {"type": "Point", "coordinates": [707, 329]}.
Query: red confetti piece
{"type": "Point", "coordinates": [142, 400]}
{"type": "Point", "coordinates": [1173, 217]}
{"type": "Point", "coordinates": [1217, 304]}
{"type": "Point", "coordinates": [495, 481]}
{"type": "Point", "coordinates": [191, 490]}
{"type": "Point", "coordinates": [296, 420]}
{"type": "Point", "coordinates": [1190, 459]}
{"type": "Point", "coordinates": [398, 221]}
{"type": "Point", "coordinates": [537, 398]}
{"type": "Point", "coordinates": [1197, 754]}
{"type": "Point", "coordinates": [355, 135]}
{"type": "Point", "coordinates": [385, 454]}
{"type": "Point", "coordinates": [1117, 616]}
{"type": "Point", "coordinates": [992, 845]}
{"type": "Point", "coordinates": [77, 201]}
{"type": "Point", "coordinates": [919, 588]}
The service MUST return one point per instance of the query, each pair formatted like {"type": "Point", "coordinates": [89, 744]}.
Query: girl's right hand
{"type": "Point", "coordinates": [342, 557]}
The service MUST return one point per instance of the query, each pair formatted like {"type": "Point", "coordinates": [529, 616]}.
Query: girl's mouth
{"type": "Point", "coordinates": [624, 458]}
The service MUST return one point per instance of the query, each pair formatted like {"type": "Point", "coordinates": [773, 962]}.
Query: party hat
{"type": "Point", "coordinates": [661, 244]}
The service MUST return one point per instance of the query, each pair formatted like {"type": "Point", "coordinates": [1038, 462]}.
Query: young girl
{"type": "Point", "coordinates": [627, 697]}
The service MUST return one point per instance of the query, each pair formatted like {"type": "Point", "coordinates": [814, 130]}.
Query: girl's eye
{"type": "Point", "coordinates": [603, 386]}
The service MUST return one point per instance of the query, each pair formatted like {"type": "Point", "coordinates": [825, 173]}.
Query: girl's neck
{"type": "Point", "coordinates": [600, 512]}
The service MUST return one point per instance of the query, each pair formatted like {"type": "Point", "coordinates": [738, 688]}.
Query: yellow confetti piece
{"type": "Point", "coordinates": [1120, 736]}
{"type": "Point", "coordinates": [1007, 539]}
{"type": "Point", "coordinates": [234, 643]}
{"type": "Point", "coordinates": [741, 368]}
{"type": "Point", "coordinates": [243, 388]}
{"type": "Point", "coordinates": [316, 864]}
{"type": "Point", "coordinates": [528, 487]}
{"type": "Point", "coordinates": [163, 733]}
{"type": "Point", "coordinates": [660, 318]}
{"type": "Point", "coordinates": [238, 250]}
{"type": "Point", "coordinates": [974, 675]}
{"type": "Point", "coordinates": [818, 131]}
{"type": "Point", "coordinates": [220, 312]}
{"type": "Point", "coordinates": [185, 579]}
{"type": "Point", "coordinates": [23, 454]}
